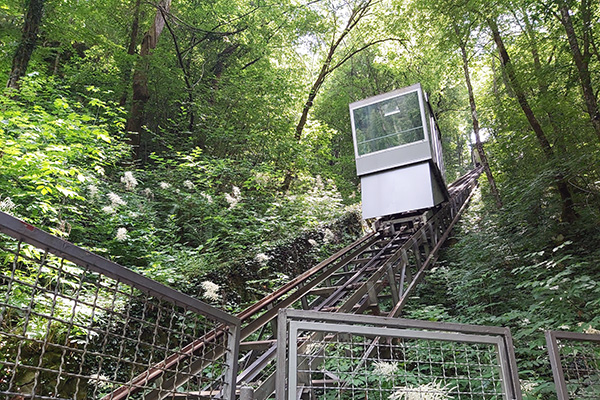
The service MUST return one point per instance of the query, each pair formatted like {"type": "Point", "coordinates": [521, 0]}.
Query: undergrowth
{"type": "Point", "coordinates": [502, 272]}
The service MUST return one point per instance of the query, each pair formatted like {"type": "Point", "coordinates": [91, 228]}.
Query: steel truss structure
{"type": "Point", "coordinates": [377, 274]}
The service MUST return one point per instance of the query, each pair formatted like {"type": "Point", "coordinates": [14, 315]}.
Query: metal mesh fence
{"type": "Point", "coordinates": [68, 331]}
{"type": "Point", "coordinates": [348, 366]}
{"type": "Point", "coordinates": [575, 359]}
{"type": "Point", "coordinates": [366, 357]}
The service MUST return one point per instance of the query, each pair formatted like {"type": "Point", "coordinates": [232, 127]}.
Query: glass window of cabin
{"type": "Point", "coordinates": [389, 123]}
{"type": "Point", "coordinates": [434, 138]}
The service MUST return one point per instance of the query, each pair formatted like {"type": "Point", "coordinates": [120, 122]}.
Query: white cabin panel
{"type": "Point", "coordinates": [397, 190]}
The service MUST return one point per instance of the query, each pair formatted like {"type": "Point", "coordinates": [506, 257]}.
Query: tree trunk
{"type": "Point", "coordinates": [135, 27]}
{"type": "Point", "coordinates": [582, 63]}
{"type": "Point", "coordinates": [31, 26]}
{"type": "Point", "coordinates": [478, 144]}
{"type": "Point", "coordinates": [568, 211]}
{"type": "Point", "coordinates": [542, 82]}
{"type": "Point", "coordinates": [140, 77]}
{"type": "Point", "coordinates": [186, 79]}
{"type": "Point", "coordinates": [219, 68]}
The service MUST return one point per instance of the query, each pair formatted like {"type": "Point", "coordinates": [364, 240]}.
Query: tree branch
{"type": "Point", "coordinates": [366, 46]}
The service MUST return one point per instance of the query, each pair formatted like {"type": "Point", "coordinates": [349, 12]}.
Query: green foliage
{"type": "Point", "coordinates": [511, 273]}
{"type": "Point", "coordinates": [219, 140]}
{"type": "Point", "coordinates": [54, 145]}
{"type": "Point", "coordinates": [183, 218]}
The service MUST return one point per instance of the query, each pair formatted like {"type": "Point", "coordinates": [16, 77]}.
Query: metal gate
{"type": "Point", "coordinates": [349, 356]}
{"type": "Point", "coordinates": [575, 360]}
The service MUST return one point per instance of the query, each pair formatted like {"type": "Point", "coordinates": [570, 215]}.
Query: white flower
{"type": "Point", "coordinates": [261, 178]}
{"type": "Point", "coordinates": [93, 189]}
{"type": "Point", "coordinates": [231, 200]}
{"type": "Point", "coordinates": [591, 330]}
{"type": "Point", "coordinates": [122, 234]}
{"type": "Point", "coordinates": [313, 242]}
{"type": "Point", "coordinates": [234, 198]}
{"type": "Point", "coordinates": [108, 210]}
{"type": "Point", "coordinates": [211, 290]}
{"type": "Point", "coordinates": [64, 228]}
{"type": "Point", "coordinates": [313, 348]}
{"type": "Point", "coordinates": [98, 377]}
{"type": "Point", "coordinates": [188, 184]}
{"type": "Point", "coordinates": [100, 380]}
{"type": "Point", "coordinates": [148, 193]}
{"type": "Point", "coordinates": [430, 391]}
{"type": "Point", "coordinates": [164, 185]}
{"type": "Point", "coordinates": [319, 183]}
{"type": "Point", "coordinates": [386, 369]}
{"type": "Point", "coordinates": [129, 180]}
{"type": "Point", "coordinates": [99, 170]}
{"type": "Point", "coordinates": [207, 197]}
{"type": "Point", "coordinates": [115, 200]}
{"type": "Point", "coordinates": [328, 236]}
{"type": "Point", "coordinates": [7, 205]}
{"type": "Point", "coordinates": [528, 386]}
{"type": "Point", "coordinates": [262, 258]}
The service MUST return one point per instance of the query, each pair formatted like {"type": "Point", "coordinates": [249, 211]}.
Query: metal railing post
{"type": "Point", "coordinates": [246, 393]}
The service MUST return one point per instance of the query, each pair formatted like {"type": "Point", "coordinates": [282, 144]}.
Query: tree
{"type": "Point", "coordinates": [332, 61]}
{"type": "Point", "coordinates": [568, 211]}
{"type": "Point", "coordinates": [31, 26]}
{"type": "Point", "coordinates": [141, 93]}
{"type": "Point", "coordinates": [475, 119]}
{"type": "Point", "coordinates": [582, 58]}
{"type": "Point", "coordinates": [131, 48]}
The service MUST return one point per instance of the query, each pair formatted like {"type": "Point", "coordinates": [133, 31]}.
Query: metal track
{"type": "Point", "coordinates": [376, 274]}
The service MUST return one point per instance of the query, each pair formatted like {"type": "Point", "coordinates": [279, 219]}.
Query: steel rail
{"type": "Point", "coordinates": [443, 221]}
{"type": "Point", "coordinates": [361, 264]}
{"type": "Point", "coordinates": [335, 296]}
{"type": "Point", "coordinates": [431, 259]}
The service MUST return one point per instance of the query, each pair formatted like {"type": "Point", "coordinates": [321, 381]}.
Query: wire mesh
{"type": "Point", "coordinates": [580, 361]}
{"type": "Point", "coordinates": [67, 332]}
{"type": "Point", "coordinates": [350, 366]}
{"type": "Point", "coordinates": [346, 356]}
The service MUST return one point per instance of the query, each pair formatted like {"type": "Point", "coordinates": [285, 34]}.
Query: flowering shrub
{"type": "Point", "coordinates": [129, 180]}
{"type": "Point", "coordinates": [55, 148]}
{"type": "Point", "coordinates": [385, 369]}
{"type": "Point", "coordinates": [180, 214]}
{"type": "Point", "coordinates": [121, 234]}
{"type": "Point", "coordinates": [433, 390]}
{"type": "Point", "coordinates": [211, 290]}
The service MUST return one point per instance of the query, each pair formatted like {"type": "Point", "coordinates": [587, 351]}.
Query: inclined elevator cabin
{"type": "Point", "coordinates": [398, 153]}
